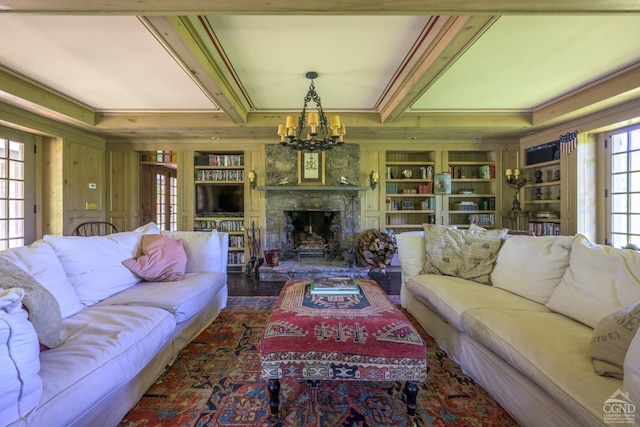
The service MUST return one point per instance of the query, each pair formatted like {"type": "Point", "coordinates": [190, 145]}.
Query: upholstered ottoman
{"type": "Point", "coordinates": [362, 337]}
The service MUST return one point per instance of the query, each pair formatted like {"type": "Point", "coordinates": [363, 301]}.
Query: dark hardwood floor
{"type": "Point", "coordinates": [241, 285]}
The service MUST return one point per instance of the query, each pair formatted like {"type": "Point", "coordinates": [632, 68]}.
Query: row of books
{"type": "Point", "coordinates": [219, 175]}
{"type": "Point", "coordinates": [236, 241]}
{"type": "Point", "coordinates": [482, 172]}
{"type": "Point", "coordinates": [482, 219]}
{"type": "Point", "coordinates": [220, 225]}
{"type": "Point", "coordinates": [235, 258]}
{"type": "Point", "coordinates": [220, 160]}
{"type": "Point", "coordinates": [334, 286]}
{"type": "Point", "coordinates": [544, 228]}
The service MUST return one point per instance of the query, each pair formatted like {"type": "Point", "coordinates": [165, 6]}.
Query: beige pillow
{"type": "Point", "coordinates": [611, 339]}
{"type": "Point", "coordinates": [44, 311]}
{"type": "Point", "coordinates": [600, 280]}
{"type": "Point", "coordinates": [468, 254]}
{"type": "Point", "coordinates": [411, 253]}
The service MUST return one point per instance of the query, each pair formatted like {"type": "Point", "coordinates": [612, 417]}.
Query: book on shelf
{"type": "Point", "coordinates": [334, 286]}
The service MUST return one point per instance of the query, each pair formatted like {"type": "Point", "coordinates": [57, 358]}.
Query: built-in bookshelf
{"type": "Point", "coordinates": [409, 196]}
{"type": "Point", "coordinates": [542, 195]}
{"type": "Point", "coordinates": [472, 197]}
{"type": "Point", "coordinates": [219, 180]}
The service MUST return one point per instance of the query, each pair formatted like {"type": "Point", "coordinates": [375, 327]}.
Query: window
{"type": "Point", "coordinates": [166, 203]}
{"type": "Point", "coordinates": [624, 187]}
{"type": "Point", "coordinates": [12, 194]}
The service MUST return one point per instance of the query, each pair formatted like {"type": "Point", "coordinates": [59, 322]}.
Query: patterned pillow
{"type": "Point", "coordinates": [468, 254]}
{"type": "Point", "coordinates": [164, 259]}
{"type": "Point", "coordinates": [44, 311]}
{"type": "Point", "coordinates": [611, 339]}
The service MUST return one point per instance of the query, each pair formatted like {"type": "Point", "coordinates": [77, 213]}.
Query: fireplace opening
{"type": "Point", "coordinates": [312, 233]}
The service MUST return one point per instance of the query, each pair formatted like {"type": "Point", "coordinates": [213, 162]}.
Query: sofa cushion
{"type": "Point", "coordinates": [468, 254]}
{"type": "Point", "coordinates": [40, 262]}
{"type": "Point", "coordinates": [105, 346]}
{"type": "Point", "coordinates": [94, 264]}
{"type": "Point", "coordinates": [202, 247]}
{"type": "Point", "coordinates": [411, 253]}
{"type": "Point", "coordinates": [550, 349]}
{"type": "Point", "coordinates": [44, 311]}
{"type": "Point", "coordinates": [533, 280]}
{"type": "Point", "coordinates": [184, 298]}
{"type": "Point", "coordinates": [600, 280]}
{"type": "Point", "coordinates": [611, 339]}
{"type": "Point", "coordinates": [21, 385]}
{"type": "Point", "coordinates": [162, 260]}
{"type": "Point", "coordinates": [453, 296]}
{"type": "Point", "coordinates": [631, 381]}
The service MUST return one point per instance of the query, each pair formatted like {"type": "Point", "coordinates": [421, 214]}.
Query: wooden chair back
{"type": "Point", "coordinates": [94, 228]}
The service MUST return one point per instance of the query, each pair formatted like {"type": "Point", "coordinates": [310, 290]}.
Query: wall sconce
{"type": "Point", "coordinates": [252, 179]}
{"type": "Point", "coordinates": [373, 179]}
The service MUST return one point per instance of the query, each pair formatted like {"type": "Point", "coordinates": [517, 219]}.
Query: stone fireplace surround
{"type": "Point", "coordinates": [282, 163]}
{"type": "Point", "coordinates": [343, 202]}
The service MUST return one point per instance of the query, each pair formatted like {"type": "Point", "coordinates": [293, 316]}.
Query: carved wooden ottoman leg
{"type": "Point", "coordinates": [274, 399]}
{"type": "Point", "coordinates": [411, 390]}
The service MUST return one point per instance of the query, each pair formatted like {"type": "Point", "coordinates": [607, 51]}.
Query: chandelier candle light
{"type": "Point", "coordinates": [516, 182]}
{"type": "Point", "coordinates": [322, 134]}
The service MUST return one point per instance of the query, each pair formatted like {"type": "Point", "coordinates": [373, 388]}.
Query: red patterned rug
{"type": "Point", "coordinates": [216, 382]}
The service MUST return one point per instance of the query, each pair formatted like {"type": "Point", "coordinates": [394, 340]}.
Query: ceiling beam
{"type": "Point", "coordinates": [592, 95]}
{"type": "Point", "coordinates": [180, 38]}
{"type": "Point", "coordinates": [320, 7]}
{"type": "Point", "coordinates": [266, 124]}
{"type": "Point", "coordinates": [20, 91]}
{"type": "Point", "coordinates": [458, 34]}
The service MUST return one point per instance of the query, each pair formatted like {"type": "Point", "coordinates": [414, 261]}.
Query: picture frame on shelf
{"type": "Point", "coordinates": [442, 183]}
{"type": "Point", "coordinates": [311, 167]}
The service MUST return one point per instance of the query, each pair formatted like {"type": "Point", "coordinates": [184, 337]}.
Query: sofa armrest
{"type": "Point", "coordinates": [19, 358]}
{"type": "Point", "coordinates": [631, 368]}
{"type": "Point", "coordinates": [224, 249]}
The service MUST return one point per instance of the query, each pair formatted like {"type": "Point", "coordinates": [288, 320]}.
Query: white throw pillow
{"type": "Point", "coordinates": [600, 280]}
{"type": "Point", "coordinates": [149, 228]}
{"type": "Point", "coordinates": [411, 252]}
{"type": "Point", "coordinates": [19, 359]}
{"type": "Point", "coordinates": [40, 262]}
{"type": "Point", "coordinates": [202, 248]}
{"type": "Point", "coordinates": [532, 267]}
{"type": "Point", "coordinates": [94, 264]}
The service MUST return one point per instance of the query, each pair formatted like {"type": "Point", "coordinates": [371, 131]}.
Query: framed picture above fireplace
{"type": "Point", "coordinates": [311, 167]}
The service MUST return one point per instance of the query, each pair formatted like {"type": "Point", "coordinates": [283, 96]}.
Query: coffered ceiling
{"type": "Point", "coordinates": [391, 70]}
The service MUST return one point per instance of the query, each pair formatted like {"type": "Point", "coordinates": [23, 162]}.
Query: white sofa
{"type": "Point", "coordinates": [118, 333]}
{"type": "Point", "coordinates": [526, 337]}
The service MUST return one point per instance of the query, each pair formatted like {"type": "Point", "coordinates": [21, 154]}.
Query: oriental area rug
{"type": "Point", "coordinates": [216, 381]}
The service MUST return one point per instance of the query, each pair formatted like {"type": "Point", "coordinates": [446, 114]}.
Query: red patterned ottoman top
{"type": "Point", "coordinates": [343, 337]}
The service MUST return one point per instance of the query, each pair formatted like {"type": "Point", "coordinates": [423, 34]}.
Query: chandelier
{"type": "Point", "coordinates": [321, 134]}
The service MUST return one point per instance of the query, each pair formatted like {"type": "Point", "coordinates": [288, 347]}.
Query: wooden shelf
{"type": "Point", "coordinates": [411, 211]}
{"type": "Point", "coordinates": [543, 184]}
{"type": "Point", "coordinates": [419, 195]}
{"type": "Point", "coordinates": [543, 164]}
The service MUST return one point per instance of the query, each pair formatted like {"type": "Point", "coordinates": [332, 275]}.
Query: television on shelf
{"type": "Point", "coordinates": [219, 200]}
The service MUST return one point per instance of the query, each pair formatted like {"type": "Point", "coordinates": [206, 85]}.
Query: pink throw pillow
{"type": "Point", "coordinates": [163, 259]}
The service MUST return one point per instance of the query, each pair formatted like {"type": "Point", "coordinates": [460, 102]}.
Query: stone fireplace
{"type": "Point", "coordinates": [299, 219]}
{"type": "Point", "coordinates": [300, 223]}
{"type": "Point", "coordinates": [311, 225]}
